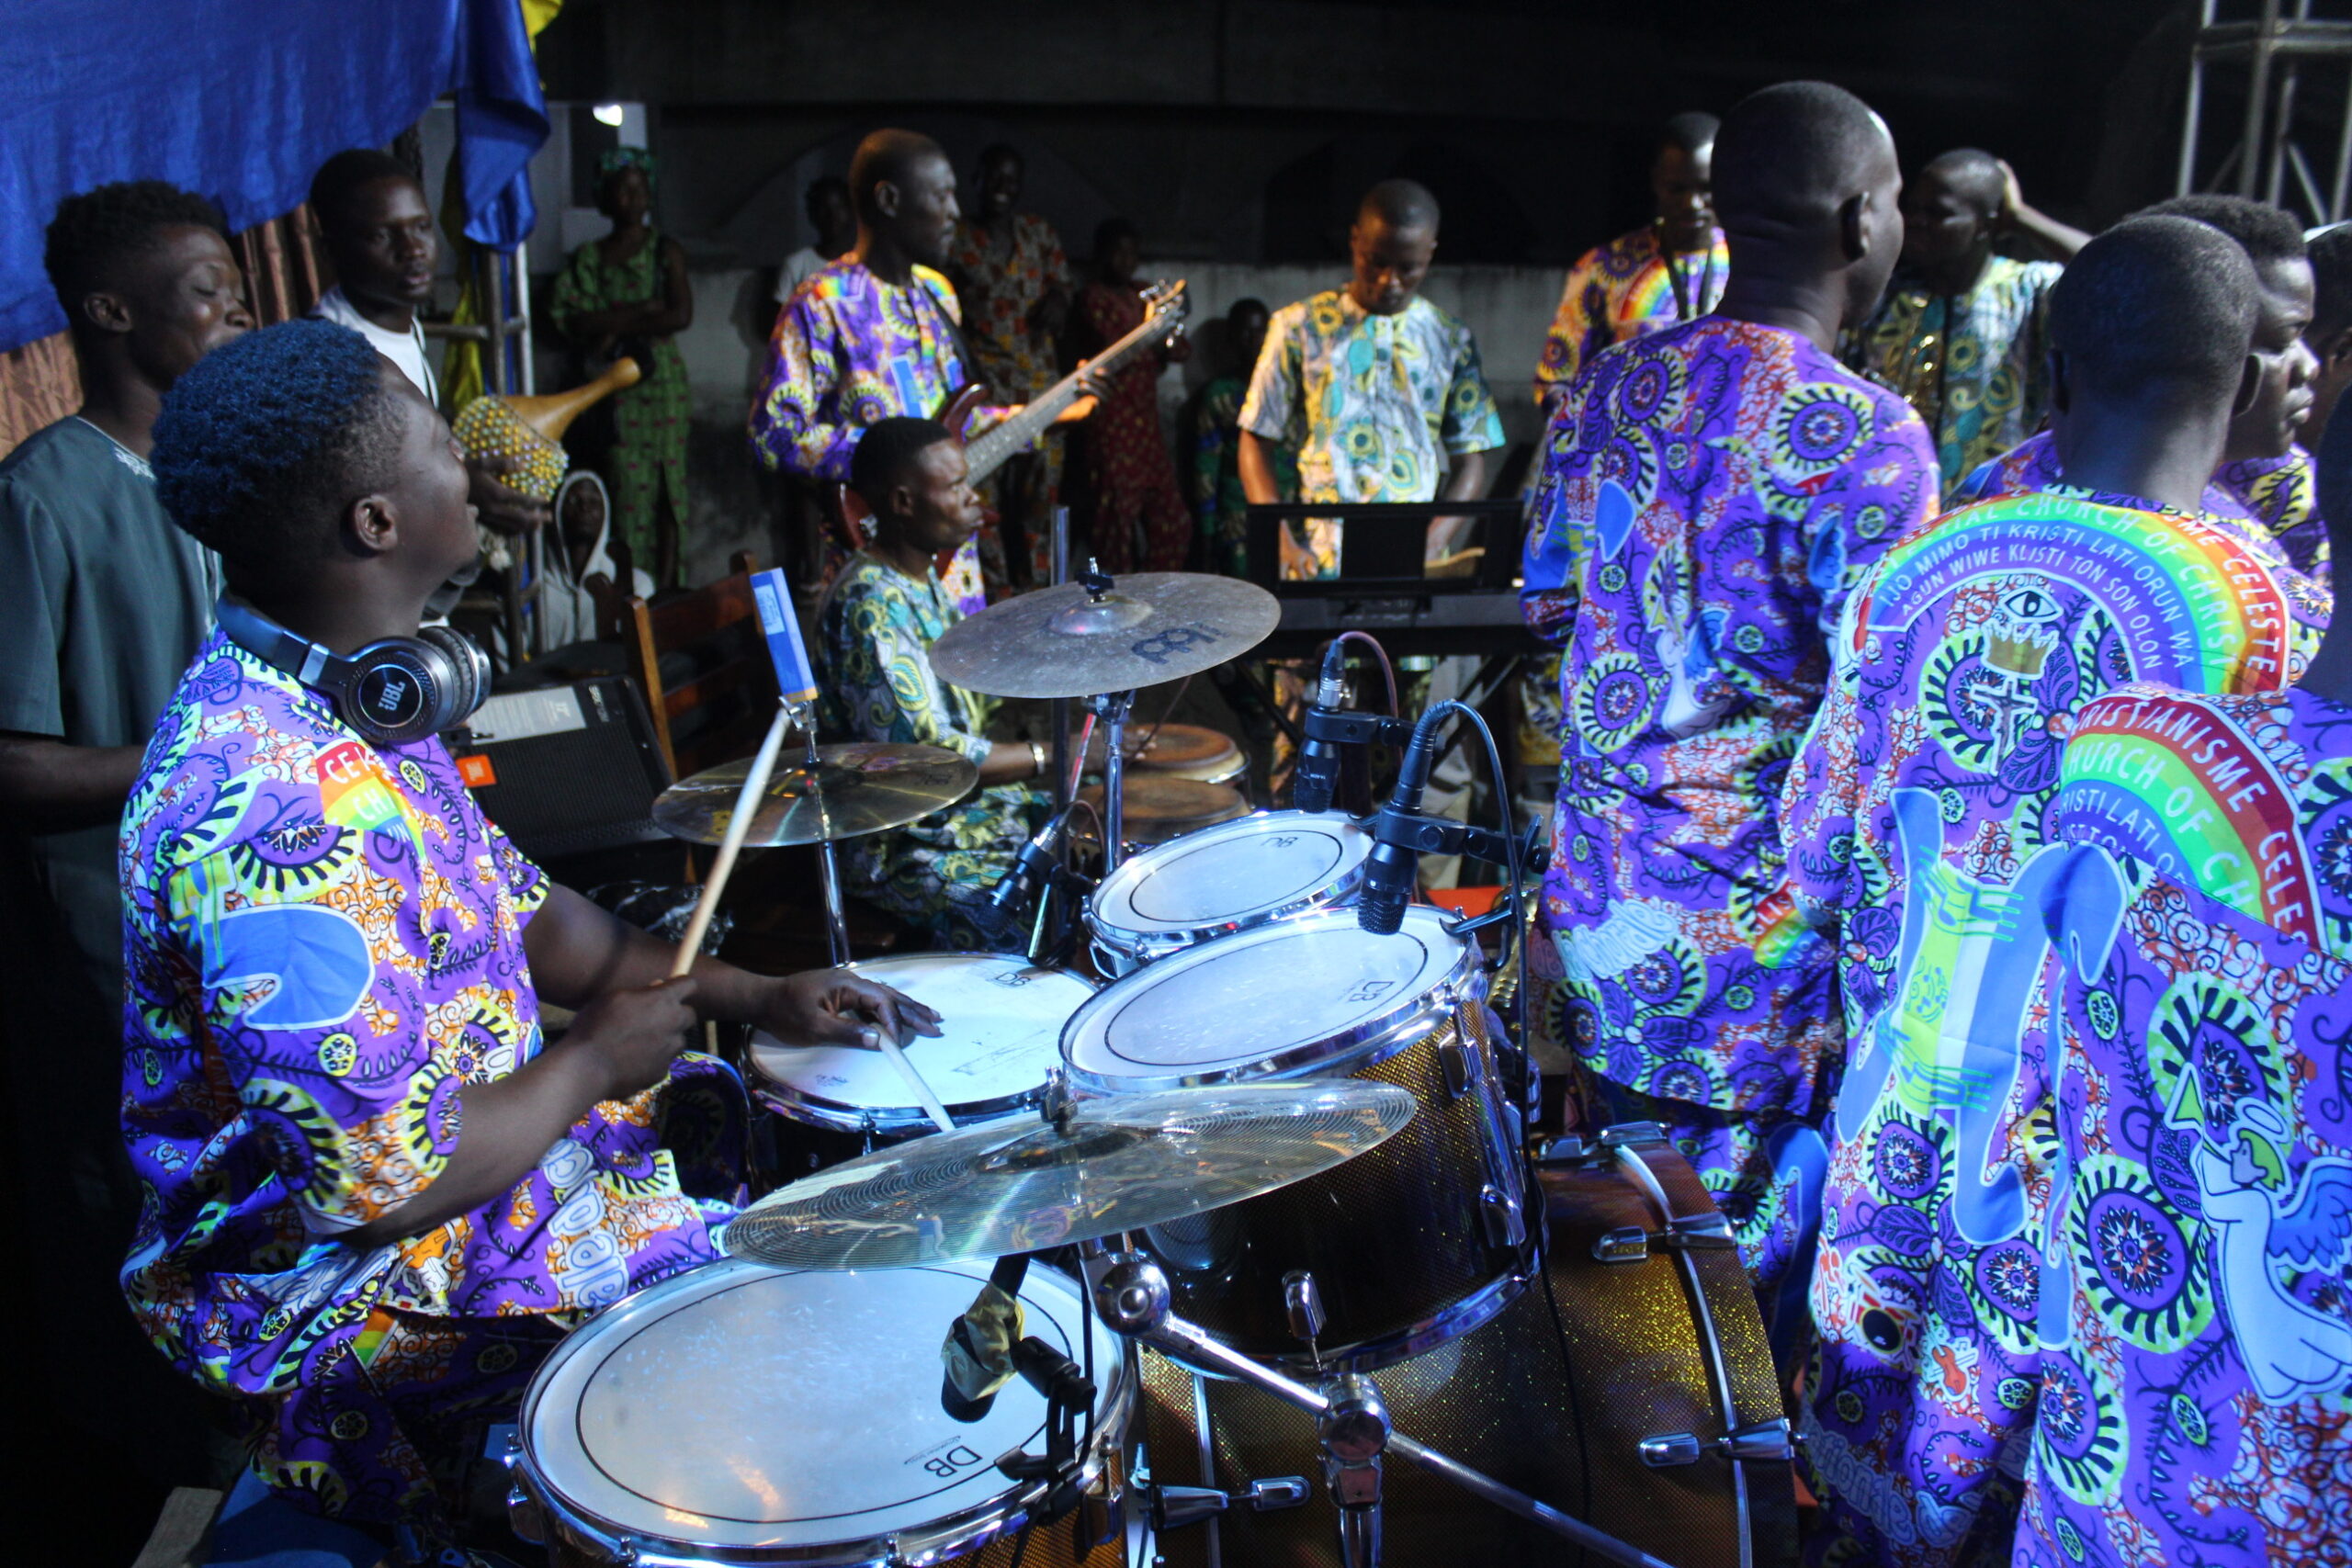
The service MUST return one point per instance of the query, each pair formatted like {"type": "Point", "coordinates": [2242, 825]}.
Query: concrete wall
{"type": "Point", "coordinates": [1507, 308]}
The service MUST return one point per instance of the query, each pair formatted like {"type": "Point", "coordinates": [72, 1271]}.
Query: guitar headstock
{"type": "Point", "coordinates": [1167, 303]}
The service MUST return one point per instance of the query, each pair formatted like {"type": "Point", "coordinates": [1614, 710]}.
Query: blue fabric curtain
{"type": "Point", "coordinates": [242, 100]}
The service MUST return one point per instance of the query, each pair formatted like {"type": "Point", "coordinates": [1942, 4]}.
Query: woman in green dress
{"type": "Point", "coordinates": [884, 610]}
{"type": "Point", "coordinates": [627, 292]}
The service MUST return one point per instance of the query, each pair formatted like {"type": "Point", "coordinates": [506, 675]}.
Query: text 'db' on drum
{"type": "Point", "coordinates": [1002, 1020]}
{"type": "Point", "coordinates": [1605, 1389]}
{"type": "Point", "coordinates": [1419, 1239]}
{"type": "Point", "coordinates": [738, 1415]}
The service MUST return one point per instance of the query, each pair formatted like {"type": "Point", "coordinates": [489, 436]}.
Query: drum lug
{"type": "Point", "coordinates": [1173, 1508]}
{"type": "Point", "coordinates": [1564, 1151]}
{"type": "Point", "coordinates": [1500, 1213]}
{"type": "Point", "coordinates": [1275, 1492]}
{"type": "Point", "coordinates": [1631, 1244]}
{"type": "Point", "coordinates": [524, 1517]}
{"type": "Point", "coordinates": [1766, 1442]}
{"type": "Point", "coordinates": [1459, 1066]}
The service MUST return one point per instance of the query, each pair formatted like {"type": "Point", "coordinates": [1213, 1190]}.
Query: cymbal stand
{"type": "Point", "coordinates": [1112, 709]}
{"type": "Point", "coordinates": [1131, 1293]}
{"type": "Point", "coordinates": [828, 871]}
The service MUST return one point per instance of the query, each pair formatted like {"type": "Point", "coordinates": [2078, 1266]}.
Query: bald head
{"type": "Point", "coordinates": [2156, 310]}
{"type": "Point", "coordinates": [1805, 187]}
{"type": "Point", "coordinates": [904, 190]}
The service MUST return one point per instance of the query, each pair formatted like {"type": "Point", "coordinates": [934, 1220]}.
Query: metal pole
{"type": "Point", "coordinates": [2264, 44]}
{"type": "Point", "coordinates": [2186, 181]}
{"type": "Point", "coordinates": [2342, 159]}
{"type": "Point", "coordinates": [494, 292]}
{"type": "Point", "coordinates": [1059, 706]}
{"type": "Point", "coordinates": [1113, 706]}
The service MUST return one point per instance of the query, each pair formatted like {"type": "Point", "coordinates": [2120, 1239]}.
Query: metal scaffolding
{"type": "Point", "coordinates": [2295, 71]}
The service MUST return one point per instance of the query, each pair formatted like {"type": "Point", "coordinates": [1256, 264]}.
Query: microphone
{"type": "Point", "coordinates": [1390, 869]}
{"type": "Point", "coordinates": [966, 1350]}
{"type": "Point", "coordinates": [1317, 773]}
{"type": "Point", "coordinates": [999, 915]}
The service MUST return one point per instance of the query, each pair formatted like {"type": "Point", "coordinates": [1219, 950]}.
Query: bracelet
{"type": "Point", "coordinates": [1037, 759]}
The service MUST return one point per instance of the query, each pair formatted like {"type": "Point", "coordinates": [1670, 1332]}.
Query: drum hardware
{"type": "Point", "coordinates": [1069, 1416]}
{"type": "Point", "coordinates": [1173, 1508]}
{"type": "Point", "coordinates": [1099, 636]}
{"type": "Point", "coordinates": [1632, 1244]}
{"type": "Point", "coordinates": [1268, 866]}
{"type": "Point", "coordinates": [1766, 1442]}
{"type": "Point", "coordinates": [1498, 1212]}
{"type": "Point", "coordinates": [1131, 1295]}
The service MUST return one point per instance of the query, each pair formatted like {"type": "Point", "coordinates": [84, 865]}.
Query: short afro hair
{"type": "Point", "coordinates": [2264, 232]}
{"type": "Point", "coordinates": [1789, 153]}
{"type": "Point", "coordinates": [887, 451]}
{"type": "Point", "coordinates": [262, 442]}
{"type": "Point", "coordinates": [2156, 306]}
{"type": "Point", "coordinates": [1972, 173]}
{"type": "Point", "coordinates": [94, 234]}
{"type": "Point", "coordinates": [347, 173]}
{"type": "Point", "coordinates": [1403, 205]}
{"type": "Point", "coordinates": [889, 154]}
{"type": "Point", "coordinates": [2331, 251]}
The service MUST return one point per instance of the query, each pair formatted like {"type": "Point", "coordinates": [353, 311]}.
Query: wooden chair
{"type": "Point", "coordinates": [704, 664]}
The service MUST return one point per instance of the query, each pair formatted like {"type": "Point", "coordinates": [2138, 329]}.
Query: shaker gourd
{"type": "Point", "coordinates": [532, 428]}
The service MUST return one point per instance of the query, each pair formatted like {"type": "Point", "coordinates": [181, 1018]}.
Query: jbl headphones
{"type": "Point", "coordinates": [393, 691]}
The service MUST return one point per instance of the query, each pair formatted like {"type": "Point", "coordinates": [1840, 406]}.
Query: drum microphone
{"type": "Point", "coordinates": [1033, 867]}
{"type": "Point", "coordinates": [965, 1350]}
{"type": "Point", "coordinates": [1316, 773]}
{"type": "Point", "coordinates": [1397, 833]}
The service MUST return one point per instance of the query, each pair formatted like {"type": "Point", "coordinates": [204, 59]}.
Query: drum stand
{"type": "Point", "coordinates": [1112, 709]}
{"type": "Point", "coordinates": [828, 871]}
{"type": "Point", "coordinates": [1131, 1294]}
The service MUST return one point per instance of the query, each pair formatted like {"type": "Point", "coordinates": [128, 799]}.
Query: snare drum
{"type": "Point", "coordinates": [1193, 751]}
{"type": "Point", "coordinates": [1003, 1021]}
{"type": "Point", "coordinates": [1578, 1409]}
{"type": "Point", "coordinates": [736, 1414]}
{"type": "Point", "coordinates": [1225, 879]}
{"type": "Point", "coordinates": [1161, 807]}
{"type": "Point", "coordinates": [1417, 1241]}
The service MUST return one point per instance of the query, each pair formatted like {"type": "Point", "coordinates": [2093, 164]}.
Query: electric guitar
{"type": "Point", "coordinates": [1166, 304]}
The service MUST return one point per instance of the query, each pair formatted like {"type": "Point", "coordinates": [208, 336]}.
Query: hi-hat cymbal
{"type": "Point", "coordinates": [1022, 1183]}
{"type": "Point", "coordinates": [855, 789]}
{"type": "Point", "coordinates": [1070, 641]}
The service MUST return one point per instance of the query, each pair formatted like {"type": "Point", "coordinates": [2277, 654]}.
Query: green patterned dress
{"type": "Point", "coordinates": [649, 454]}
{"type": "Point", "coordinates": [875, 633]}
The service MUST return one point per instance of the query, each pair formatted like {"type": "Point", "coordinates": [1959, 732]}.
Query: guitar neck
{"type": "Point", "coordinates": [986, 453]}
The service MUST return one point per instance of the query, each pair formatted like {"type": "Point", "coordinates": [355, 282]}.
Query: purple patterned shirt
{"type": "Point", "coordinates": [1710, 494]}
{"type": "Point", "coordinates": [2196, 1402]}
{"type": "Point", "coordinates": [1915, 816]}
{"type": "Point", "coordinates": [324, 944]}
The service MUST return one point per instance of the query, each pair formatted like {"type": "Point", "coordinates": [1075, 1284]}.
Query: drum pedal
{"type": "Point", "coordinates": [1632, 1244]}
{"type": "Point", "coordinates": [1766, 1441]}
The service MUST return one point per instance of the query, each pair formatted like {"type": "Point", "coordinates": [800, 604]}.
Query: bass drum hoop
{"type": "Point", "coordinates": [955, 1535]}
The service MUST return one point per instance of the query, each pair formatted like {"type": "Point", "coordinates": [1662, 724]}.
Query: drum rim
{"type": "Point", "coordinates": [1373, 1041]}
{"type": "Point", "coordinates": [1134, 940]}
{"type": "Point", "coordinates": [841, 1116]}
{"type": "Point", "coordinates": [965, 1530]}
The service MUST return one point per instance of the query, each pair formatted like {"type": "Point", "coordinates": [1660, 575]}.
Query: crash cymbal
{"type": "Point", "coordinates": [855, 789]}
{"type": "Point", "coordinates": [1022, 1183]}
{"type": "Point", "coordinates": [1073, 641]}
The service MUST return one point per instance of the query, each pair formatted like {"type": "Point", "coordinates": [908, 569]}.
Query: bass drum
{"type": "Point", "coordinates": [1666, 1350]}
{"type": "Point", "coordinates": [739, 1415]}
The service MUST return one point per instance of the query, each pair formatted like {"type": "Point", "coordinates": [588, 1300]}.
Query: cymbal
{"type": "Point", "coordinates": [1022, 1183]}
{"type": "Point", "coordinates": [863, 787]}
{"type": "Point", "coordinates": [1067, 641]}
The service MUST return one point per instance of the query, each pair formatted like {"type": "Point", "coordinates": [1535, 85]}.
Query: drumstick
{"type": "Point", "coordinates": [747, 802]}
{"type": "Point", "coordinates": [930, 1102]}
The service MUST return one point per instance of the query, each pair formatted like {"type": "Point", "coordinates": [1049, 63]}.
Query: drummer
{"type": "Point", "coordinates": [884, 610]}
{"type": "Point", "coordinates": [374, 1193]}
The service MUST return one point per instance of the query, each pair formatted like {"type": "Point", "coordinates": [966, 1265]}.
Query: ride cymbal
{"type": "Point", "coordinates": [1081, 640]}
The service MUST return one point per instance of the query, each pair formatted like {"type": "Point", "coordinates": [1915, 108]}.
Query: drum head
{"type": "Point", "coordinates": [736, 1407]}
{"type": "Point", "coordinates": [1235, 873]}
{"type": "Point", "coordinates": [1185, 749]}
{"type": "Point", "coordinates": [1309, 994]}
{"type": "Point", "coordinates": [1002, 1020]}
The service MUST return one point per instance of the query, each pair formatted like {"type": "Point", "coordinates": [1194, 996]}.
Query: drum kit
{"type": "Point", "coordinates": [1294, 1284]}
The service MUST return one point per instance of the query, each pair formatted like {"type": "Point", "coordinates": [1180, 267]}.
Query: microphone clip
{"type": "Point", "coordinates": [1345, 727]}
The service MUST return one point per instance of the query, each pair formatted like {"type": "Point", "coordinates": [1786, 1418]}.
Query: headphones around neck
{"type": "Point", "coordinates": [393, 691]}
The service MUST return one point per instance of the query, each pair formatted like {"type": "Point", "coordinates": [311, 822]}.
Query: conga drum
{"type": "Point", "coordinates": [1193, 752]}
